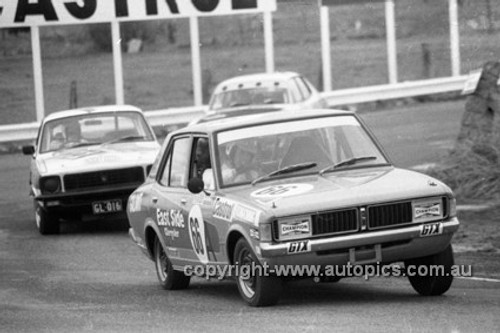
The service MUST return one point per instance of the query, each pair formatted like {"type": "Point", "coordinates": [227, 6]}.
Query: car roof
{"type": "Point", "coordinates": [260, 118]}
{"type": "Point", "coordinates": [233, 83]}
{"type": "Point", "coordinates": [91, 110]}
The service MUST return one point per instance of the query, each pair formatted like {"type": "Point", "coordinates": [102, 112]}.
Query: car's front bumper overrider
{"type": "Point", "coordinates": [382, 246]}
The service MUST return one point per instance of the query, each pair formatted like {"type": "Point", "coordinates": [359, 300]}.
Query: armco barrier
{"type": "Point", "coordinates": [178, 116]}
{"type": "Point", "coordinates": [392, 91]}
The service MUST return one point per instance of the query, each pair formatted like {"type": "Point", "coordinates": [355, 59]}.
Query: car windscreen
{"type": "Point", "coordinates": [94, 129]}
{"type": "Point", "coordinates": [263, 95]}
{"type": "Point", "coordinates": [290, 148]}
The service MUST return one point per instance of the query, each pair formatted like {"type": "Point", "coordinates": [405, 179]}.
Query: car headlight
{"type": "Point", "coordinates": [425, 210]}
{"type": "Point", "coordinates": [50, 185]}
{"type": "Point", "coordinates": [296, 227]}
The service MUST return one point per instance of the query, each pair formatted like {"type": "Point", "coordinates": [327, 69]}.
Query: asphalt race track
{"type": "Point", "coordinates": [93, 278]}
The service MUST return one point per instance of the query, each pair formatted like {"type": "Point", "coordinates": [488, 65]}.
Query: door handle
{"type": "Point", "coordinates": [154, 199]}
{"type": "Point", "coordinates": [183, 201]}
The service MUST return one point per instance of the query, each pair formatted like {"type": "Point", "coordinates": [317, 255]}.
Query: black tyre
{"type": "Point", "coordinates": [169, 278]}
{"type": "Point", "coordinates": [46, 223]}
{"type": "Point", "coordinates": [255, 289]}
{"type": "Point", "coordinates": [427, 285]}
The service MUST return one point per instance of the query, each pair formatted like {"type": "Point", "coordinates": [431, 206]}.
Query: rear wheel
{"type": "Point", "coordinates": [426, 284]}
{"type": "Point", "coordinates": [46, 223]}
{"type": "Point", "coordinates": [169, 278]}
{"type": "Point", "coordinates": [256, 289]}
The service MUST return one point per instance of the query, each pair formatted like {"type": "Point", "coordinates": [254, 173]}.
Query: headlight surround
{"type": "Point", "coordinates": [50, 185]}
{"type": "Point", "coordinates": [265, 233]}
{"type": "Point", "coordinates": [296, 227]}
{"type": "Point", "coordinates": [452, 202]}
{"type": "Point", "coordinates": [429, 209]}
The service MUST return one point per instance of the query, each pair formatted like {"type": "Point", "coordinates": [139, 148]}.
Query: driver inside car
{"type": "Point", "coordinates": [73, 134]}
{"type": "Point", "coordinates": [203, 164]}
{"type": "Point", "coordinates": [242, 156]}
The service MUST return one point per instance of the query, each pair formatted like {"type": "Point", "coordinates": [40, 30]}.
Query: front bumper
{"type": "Point", "coordinates": [384, 246]}
{"type": "Point", "coordinates": [79, 204]}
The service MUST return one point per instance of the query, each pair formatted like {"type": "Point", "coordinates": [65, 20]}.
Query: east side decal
{"type": "Point", "coordinates": [170, 218]}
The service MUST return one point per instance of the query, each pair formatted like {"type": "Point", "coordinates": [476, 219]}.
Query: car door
{"type": "Point", "coordinates": [185, 218]}
{"type": "Point", "coordinates": [204, 228]}
{"type": "Point", "coordinates": [170, 197]}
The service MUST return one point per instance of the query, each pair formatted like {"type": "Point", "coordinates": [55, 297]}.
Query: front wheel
{"type": "Point", "coordinates": [255, 287]}
{"type": "Point", "coordinates": [46, 223]}
{"type": "Point", "coordinates": [431, 275]}
{"type": "Point", "coordinates": [169, 278]}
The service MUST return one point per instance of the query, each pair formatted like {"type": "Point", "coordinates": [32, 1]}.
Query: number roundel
{"type": "Point", "coordinates": [197, 234]}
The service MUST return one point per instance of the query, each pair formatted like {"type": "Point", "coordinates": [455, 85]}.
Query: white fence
{"type": "Point", "coordinates": [179, 116]}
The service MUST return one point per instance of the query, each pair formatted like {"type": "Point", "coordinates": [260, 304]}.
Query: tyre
{"type": "Point", "coordinates": [46, 223]}
{"type": "Point", "coordinates": [256, 289]}
{"type": "Point", "coordinates": [169, 278]}
{"type": "Point", "coordinates": [427, 285]}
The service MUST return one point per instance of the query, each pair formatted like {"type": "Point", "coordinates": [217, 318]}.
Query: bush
{"type": "Point", "coordinates": [101, 33]}
{"type": "Point", "coordinates": [473, 173]}
{"type": "Point", "coordinates": [101, 36]}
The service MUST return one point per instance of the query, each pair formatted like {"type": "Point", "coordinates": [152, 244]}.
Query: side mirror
{"type": "Point", "coordinates": [28, 150]}
{"type": "Point", "coordinates": [195, 185]}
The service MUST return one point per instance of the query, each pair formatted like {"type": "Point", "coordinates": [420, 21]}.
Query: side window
{"type": "Point", "coordinates": [296, 94]}
{"type": "Point", "coordinates": [309, 85]}
{"type": "Point", "coordinates": [304, 89]}
{"type": "Point", "coordinates": [201, 158]}
{"type": "Point", "coordinates": [165, 175]}
{"type": "Point", "coordinates": [201, 166]}
{"type": "Point", "coordinates": [176, 167]}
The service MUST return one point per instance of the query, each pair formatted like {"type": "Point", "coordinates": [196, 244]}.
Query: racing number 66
{"type": "Point", "coordinates": [194, 225]}
{"type": "Point", "coordinates": [197, 234]}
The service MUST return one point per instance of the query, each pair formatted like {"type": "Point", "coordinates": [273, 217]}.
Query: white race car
{"type": "Point", "coordinates": [86, 162]}
{"type": "Point", "coordinates": [251, 197]}
{"type": "Point", "coordinates": [260, 93]}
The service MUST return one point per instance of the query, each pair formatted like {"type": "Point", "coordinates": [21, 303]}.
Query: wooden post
{"type": "Point", "coordinates": [426, 61]}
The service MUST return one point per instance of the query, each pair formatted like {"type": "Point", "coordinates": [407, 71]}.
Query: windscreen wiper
{"type": "Point", "coordinates": [81, 144]}
{"type": "Point", "coordinates": [287, 169]}
{"type": "Point", "coordinates": [126, 138]}
{"type": "Point", "coordinates": [349, 161]}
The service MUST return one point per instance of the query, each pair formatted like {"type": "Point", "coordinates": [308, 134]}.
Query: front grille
{"type": "Point", "coordinates": [103, 179]}
{"type": "Point", "coordinates": [388, 215]}
{"type": "Point", "coordinates": [335, 222]}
